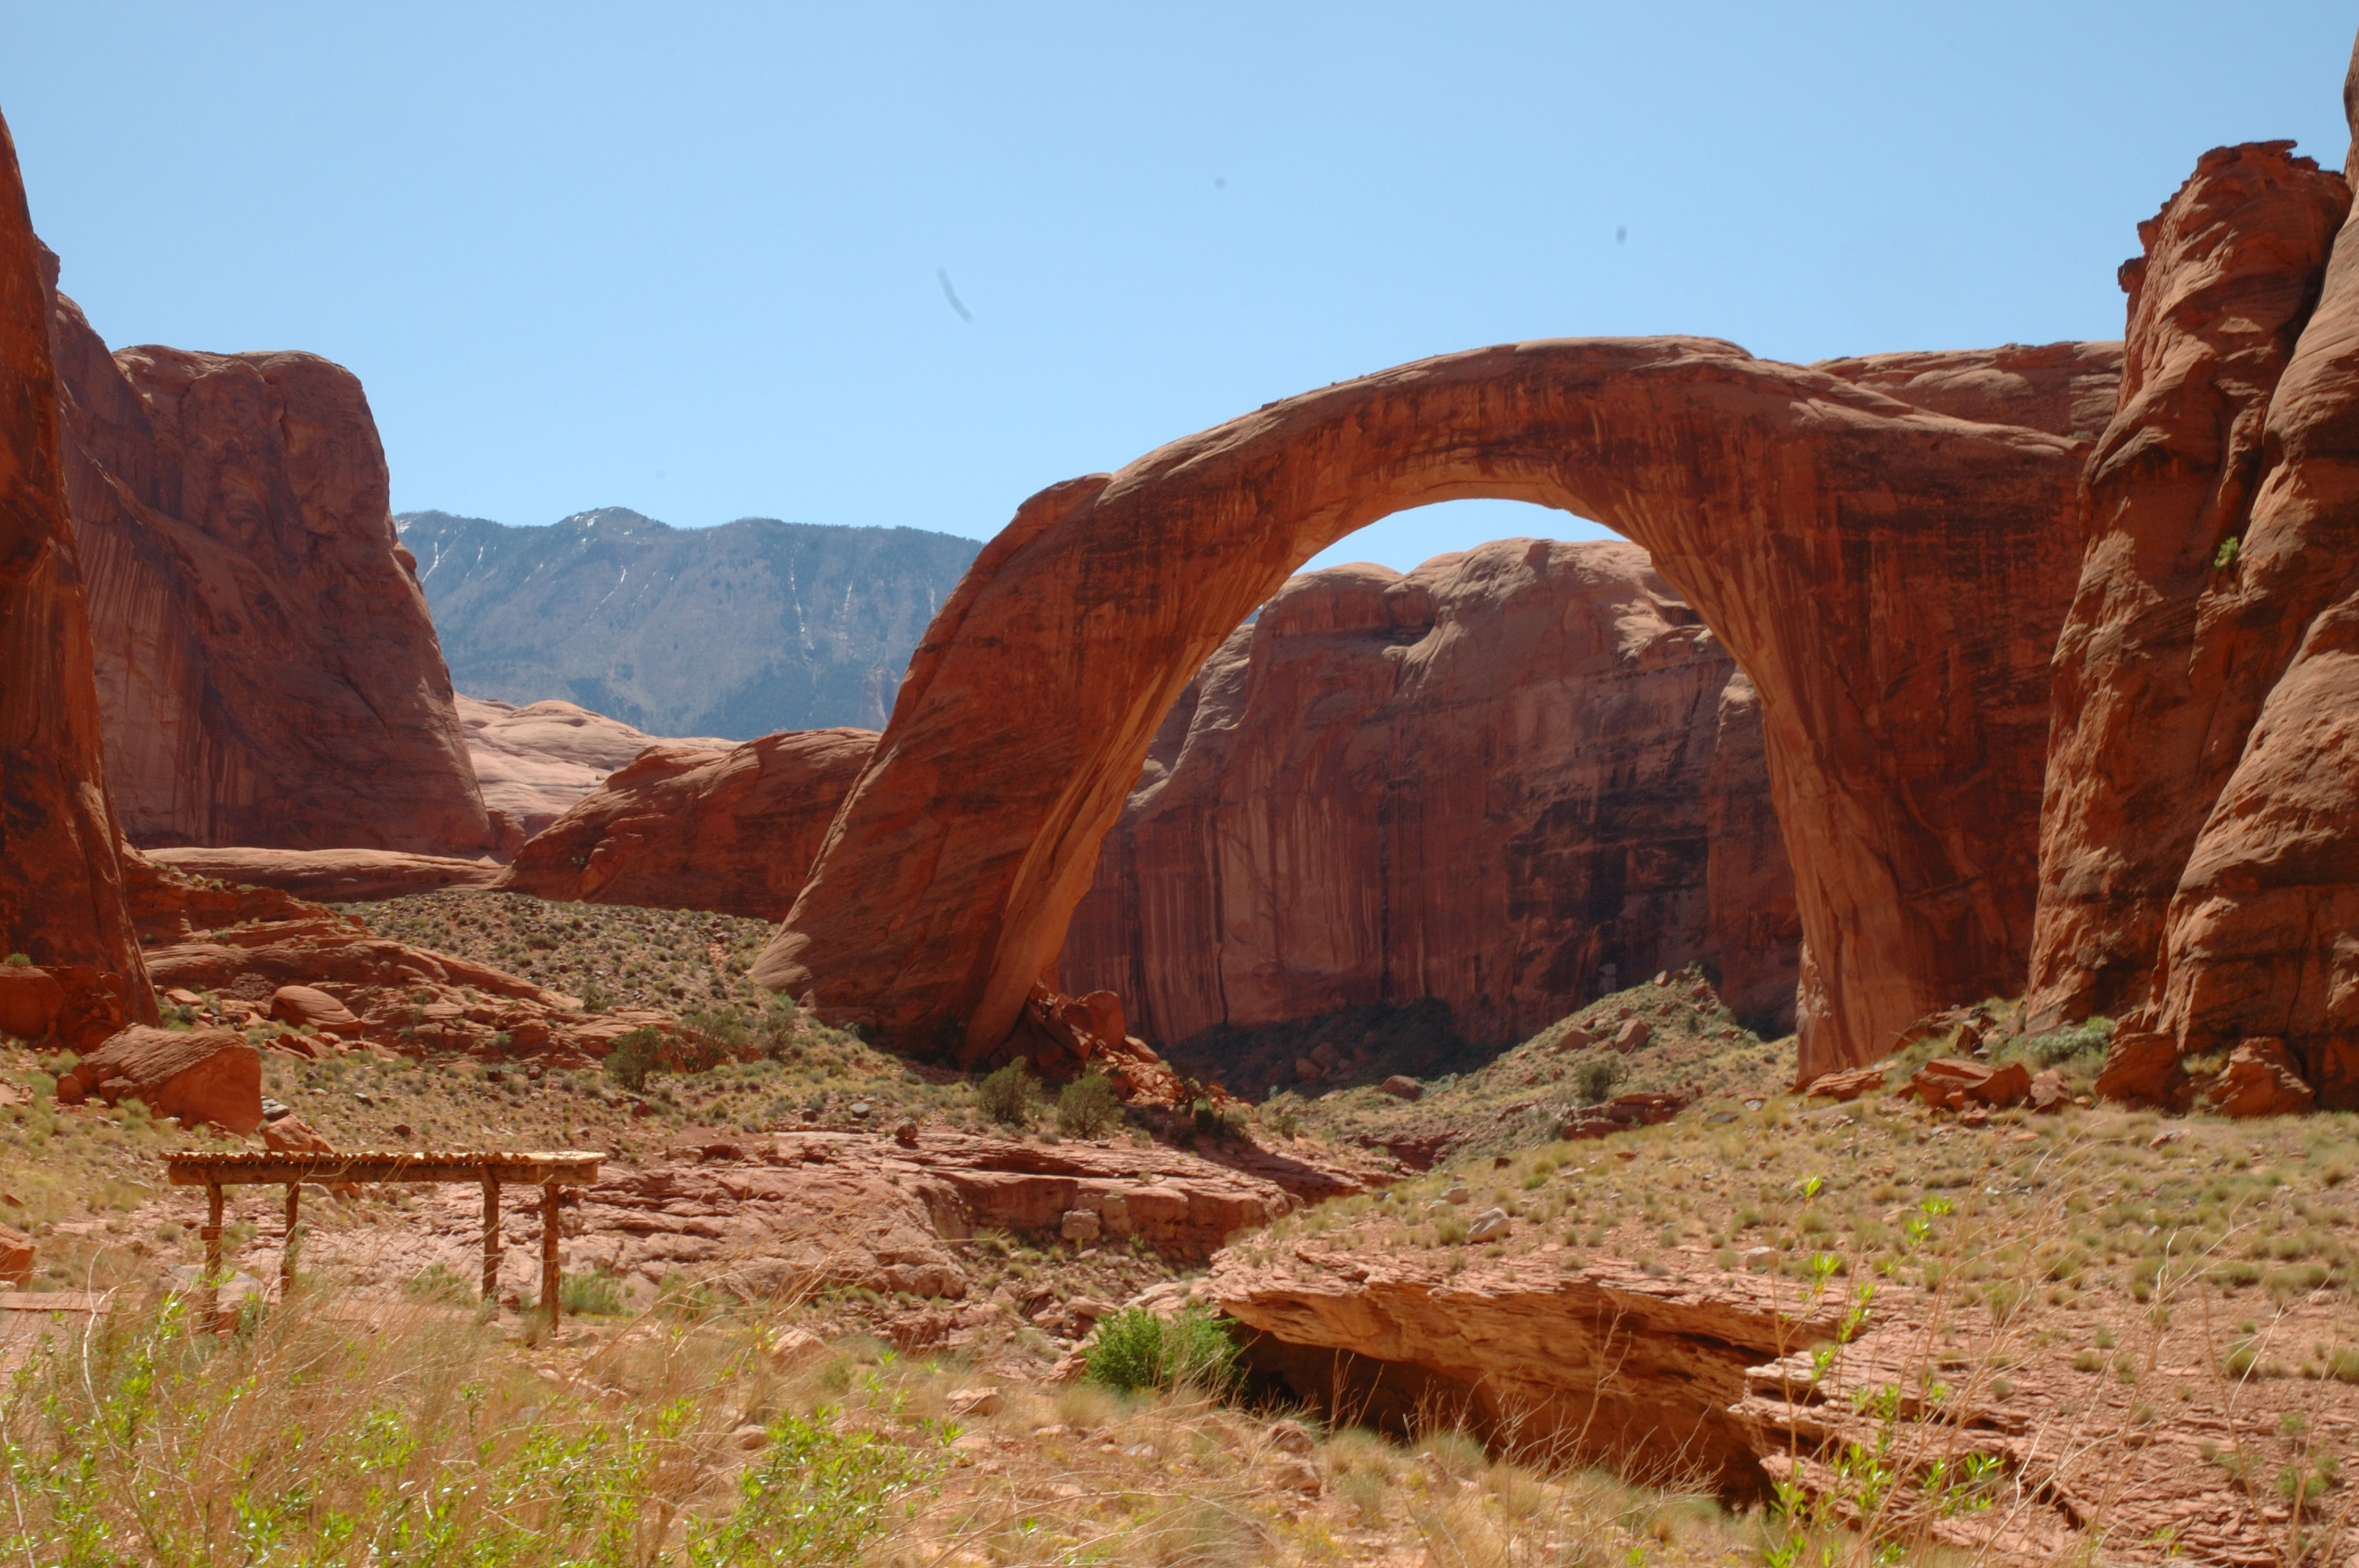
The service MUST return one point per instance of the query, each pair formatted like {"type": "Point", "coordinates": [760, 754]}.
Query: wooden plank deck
{"type": "Point", "coordinates": [567, 1167]}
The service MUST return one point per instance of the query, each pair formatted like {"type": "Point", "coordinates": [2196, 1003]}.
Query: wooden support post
{"type": "Point", "coordinates": [491, 1237]}
{"type": "Point", "coordinates": [286, 1249]}
{"type": "Point", "coordinates": [551, 1283]}
{"type": "Point", "coordinates": [212, 1239]}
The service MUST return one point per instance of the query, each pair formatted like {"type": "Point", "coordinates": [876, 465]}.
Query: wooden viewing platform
{"type": "Point", "coordinates": [549, 1170]}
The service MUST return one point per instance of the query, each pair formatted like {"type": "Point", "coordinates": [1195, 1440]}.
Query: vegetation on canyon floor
{"type": "Point", "coordinates": [2113, 1269]}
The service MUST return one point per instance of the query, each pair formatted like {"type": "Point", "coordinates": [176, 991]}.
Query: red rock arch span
{"type": "Point", "coordinates": [1891, 578]}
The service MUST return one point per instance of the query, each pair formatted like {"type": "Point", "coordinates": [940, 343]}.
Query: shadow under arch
{"type": "Point", "coordinates": [1889, 576]}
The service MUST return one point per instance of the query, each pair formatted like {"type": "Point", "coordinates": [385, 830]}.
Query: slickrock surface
{"type": "Point", "coordinates": [686, 827]}
{"type": "Point", "coordinates": [2065, 389]}
{"type": "Point", "coordinates": [533, 762]}
{"type": "Point", "coordinates": [332, 874]}
{"type": "Point", "coordinates": [1905, 722]}
{"type": "Point", "coordinates": [60, 890]}
{"type": "Point", "coordinates": [1607, 1359]}
{"type": "Point", "coordinates": [267, 674]}
{"type": "Point", "coordinates": [2230, 270]}
{"type": "Point", "coordinates": [1496, 781]}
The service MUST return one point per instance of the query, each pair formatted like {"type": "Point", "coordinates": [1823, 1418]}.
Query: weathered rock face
{"type": "Point", "coordinates": [533, 762]}
{"type": "Point", "coordinates": [2230, 272]}
{"type": "Point", "coordinates": [1498, 781]}
{"type": "Point", "coordinates": [682, 827]}
{"type": "Point", "coordinates": [60, 890]}
{"type": "Point", "coordinates": [1846, 547]}
{"type": "Point", "coordinates": [267, 671]}
{"type": "Point", "coordinates": [2065, 388]}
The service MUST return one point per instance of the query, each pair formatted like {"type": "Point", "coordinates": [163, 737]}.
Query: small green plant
{"type": "Point", "coordinates": [596, 1294]}
{"type": "Point", "coordinates": [634, 1056]}
{"type": "Point", "coordinates": [1089, 1106]}
{"type": "Point", "coordinates": [20, 957]}
{"type": "Point", "coordinates": [818, 1495]}
{"type": "Point", "coordinates": [1596, 1079]}
{"type": "Point", "coordinates": [1136, 1350]}
{"type": "Point", "coordinates": [2225, 556]}
{"type": "Point", "coordinates": [596, 998]}
{"type": "Point", "coordinates": [708, 1038]}
{"type": "Point", "coordinates": [1008, 1095]}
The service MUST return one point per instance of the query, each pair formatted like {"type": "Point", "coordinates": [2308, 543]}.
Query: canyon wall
{"type": "Point", "coordinates": [2229, 273]}
{"type": "Point", "coordinates": [1503, 780]}
{"type": "Point", "coordinates": [1890, 577]}
{"type": "Point", "coordinates": [267, 671]}
{"type": "Point", "coordinates": [62, 901]}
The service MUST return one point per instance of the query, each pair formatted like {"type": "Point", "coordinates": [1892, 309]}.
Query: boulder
{"type": "Point", "coordinates": [1894, 597]}
{"type": "Point", "coordinates": [2049, 1094]}
{"type": "Point", "coordinates": [267, 671]}
{"type": "Point", "coordinates": [1633, 1035]}
{"type": "Point", "coordinates": [2141, 1067]}
{"type": "Point", "coordinates": [682, 826]}
{"type": "Point", "coordinates": [1303, 839]}
{"type": "Point", "coordinates": [1400, 1085]}
{"type": "Point", "coordinates": [1949, 1083]}
{"type": "Point", "coordinates": [210, 1075]}
{"type": "Point", "coordinates": [302, 1004]}
{"type": "Point", "coordinates": [1847, 1086]}
{"type": "Point", "coordinates": [60, 886]}
{"type": "Point", "coordinates": [17, 1257]}
{"type": "Point", "coordinates": [30, 1001]}
{"type": "Point", "coordinates": [2230, 270]}
{"type": "Point", "coordinates": [2260, 1080]}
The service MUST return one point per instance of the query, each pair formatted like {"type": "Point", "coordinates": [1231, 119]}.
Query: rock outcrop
{"type": "Point", "coordinates": [1891, 578]}
{"type": "Point", "coordinates": [267, 671]}
{"type": "Point", "coordinates": [2229, 273]}
{"type": "Point", "coordinates": [61, 887]}
{"type": "Point", "coordinates": [683, 827]}
{"type": "Point", "coordinates": [1608, 1360]}
{"type": "Point", "coordinates": [204, 1077]}
{"type": "Point", "coordinates": [533, 762]}
{"type": "Point", "coordinates": [1501, 781]}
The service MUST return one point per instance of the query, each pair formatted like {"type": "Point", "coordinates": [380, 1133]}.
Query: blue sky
{"type": "Point", "coordinates": [689, 258]}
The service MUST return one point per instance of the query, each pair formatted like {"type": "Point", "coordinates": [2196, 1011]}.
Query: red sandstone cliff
{"type": "Point", "coordinates": [2230, 271]}
{"type": "Point", "coordinates": [267, 671]}
{"type": "Point", "coordinates": [1501, 780]}
{"type": "Point", "coordinates": [683, 827]}
{"type": "Point", "coordinates": [61, 887]}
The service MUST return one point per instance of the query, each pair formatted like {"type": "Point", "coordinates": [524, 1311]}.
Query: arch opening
{"type": "Point", "coordinates": [1837, 539]}
{"type": "Point", "coordinates": [1417, 816]}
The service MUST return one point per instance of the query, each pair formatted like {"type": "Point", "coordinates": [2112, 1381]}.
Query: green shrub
{"type": "Point", "coordinates": [779, 1028]}
{"type": "Point", "coordinates": [596, 998]}
{"type": "Point", "coordinates": [20, 957]}
{"type": "Point", "coordinates": [1596, 1079]}
{"type": "Point", "coordinates": [634, 1056]}
{"type": "Point", "coordinates": [708, 1038]}
{"type": "Point", "coordinates": [818, 1495]}
{"type": "Point", "coordinates": [1136, 1350]}
{"type": "Point", "coordinates": [1089, 1106]}
{"type": "Point", "coordinates": [1008, 1095]}
{"type": "Point", "coordinates": [2083, 1043]}
{"type": "Point", "coordinates": [597, 1295]}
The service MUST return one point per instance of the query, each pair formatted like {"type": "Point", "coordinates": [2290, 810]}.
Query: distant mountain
{"type": "Point", "coordinates": [738, 631]}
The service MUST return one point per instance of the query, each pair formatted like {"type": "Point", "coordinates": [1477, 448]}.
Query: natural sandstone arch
{"type": "Point", "coordinates": [1890, 577]}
